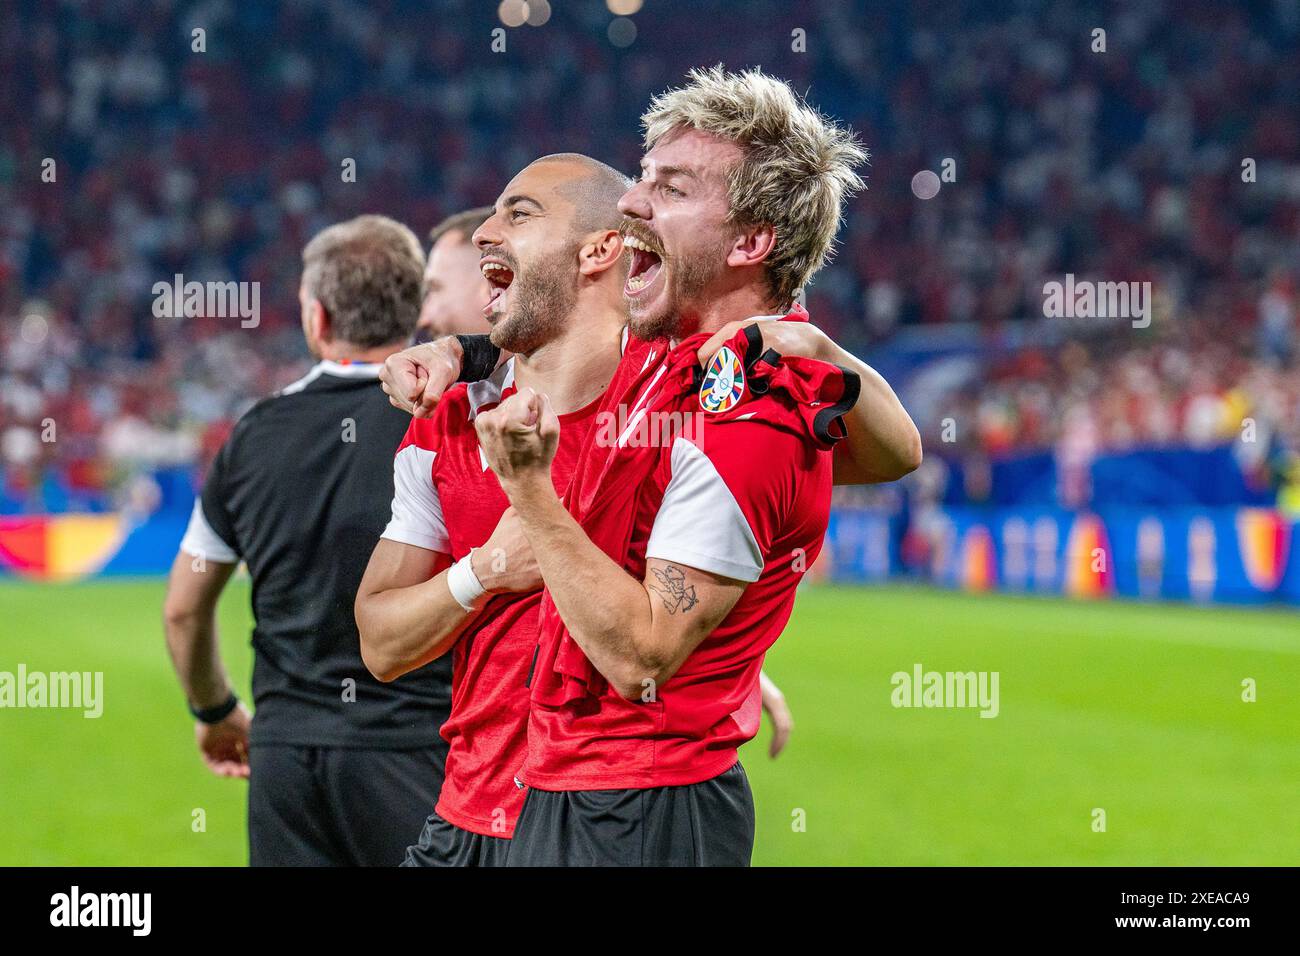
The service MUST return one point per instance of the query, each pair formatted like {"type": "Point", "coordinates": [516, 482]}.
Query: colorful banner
{"type": "Point", "coordinates": [70, 547]}
{"type": "Point", "coordinates": [1236, 555]}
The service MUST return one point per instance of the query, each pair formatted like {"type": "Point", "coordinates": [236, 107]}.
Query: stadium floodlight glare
{"type": "Point", "coordinates": [512, 13]}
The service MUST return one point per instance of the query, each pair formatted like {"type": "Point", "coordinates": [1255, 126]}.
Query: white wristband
{"type": "Point", "coordinates": [464, 584]}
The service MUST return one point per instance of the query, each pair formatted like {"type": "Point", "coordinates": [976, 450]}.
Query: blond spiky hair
{"type": "Point", "coordinates": [798, 166]}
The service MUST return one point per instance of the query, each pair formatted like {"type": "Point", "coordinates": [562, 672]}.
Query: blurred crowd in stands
{"type": "Point", "coordinates": [1166, 151]}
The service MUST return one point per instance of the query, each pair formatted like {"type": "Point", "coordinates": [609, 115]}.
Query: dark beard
{"type": "Point", "coordinates": [544, 297]}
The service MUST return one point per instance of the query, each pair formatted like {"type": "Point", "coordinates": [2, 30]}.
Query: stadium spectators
{"type": "Point", "coordinates": [1130, 164]}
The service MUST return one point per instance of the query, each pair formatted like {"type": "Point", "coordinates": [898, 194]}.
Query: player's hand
{"type": "Point", "coordinates": [506, 562]}
{"type": "Point", "coordinates": [415, 378]}
{"type": "Point", "coordinates": [802, 339]}
{"type": "Point", "coordinates": [519, 436]}
{"type": "Point", "coordinates": [224, 745]}
{"type": "Point", "coordinates": [778, 711]}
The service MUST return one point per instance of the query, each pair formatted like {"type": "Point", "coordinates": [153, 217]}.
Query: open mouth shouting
{"type": "Point", "coordinates": [647, 262]}
{"type": "Point", "coordinates": [499, 277]}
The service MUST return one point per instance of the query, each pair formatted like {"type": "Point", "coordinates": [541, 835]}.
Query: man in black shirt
{"type": "Point", "coordinates": [342, 769]}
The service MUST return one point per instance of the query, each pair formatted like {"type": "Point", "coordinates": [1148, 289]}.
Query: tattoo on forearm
{"type": "Point", "coordinates": [673, 590]}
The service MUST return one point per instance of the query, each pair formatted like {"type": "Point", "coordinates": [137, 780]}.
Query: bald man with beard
{"type": "Point", "coordinates": [452, 574]}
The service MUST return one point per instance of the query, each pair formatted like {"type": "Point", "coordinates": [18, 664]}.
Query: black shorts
{"type": "Point", "coordinates": [338, 806]}
{"type": "Point", "coordinates": [700, 824]}
{"type": "Point", "coordinates": [445, 844]}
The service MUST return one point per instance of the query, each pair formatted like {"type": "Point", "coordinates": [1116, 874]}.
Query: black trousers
{"type": "Point", "coordinates": [445, 844]}
{"type": "Point", "coordinates": [700, 824]}
{"type": "Point", "coordinates": [338, 806]}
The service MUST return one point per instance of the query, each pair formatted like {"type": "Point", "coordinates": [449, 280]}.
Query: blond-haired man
{"type": "Point", "coordinates": [671, 566]}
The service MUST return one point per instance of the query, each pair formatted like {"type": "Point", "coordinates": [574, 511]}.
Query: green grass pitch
{"type": "Point", "coordinates": [1133, 709]}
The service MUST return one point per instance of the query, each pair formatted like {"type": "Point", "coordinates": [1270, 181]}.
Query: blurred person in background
{"type": "Point", "coordinates": [342, 768]}
{"type": "Point", "coordinates": [454, 290]}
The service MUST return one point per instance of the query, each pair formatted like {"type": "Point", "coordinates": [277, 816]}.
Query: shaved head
{"type": "Point", "coordinates": [553, 233]}
{"type": "Point", "coordinates": [594, 191]}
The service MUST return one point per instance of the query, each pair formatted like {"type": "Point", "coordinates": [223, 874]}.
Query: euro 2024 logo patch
{"type": "Point", "coordinates": [724, 382]}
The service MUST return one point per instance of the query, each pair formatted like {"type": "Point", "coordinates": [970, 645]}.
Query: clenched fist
{"type": "Point", "coordinates": [519, 436]}
{"type": "Point", "coordinates": [415, 378]}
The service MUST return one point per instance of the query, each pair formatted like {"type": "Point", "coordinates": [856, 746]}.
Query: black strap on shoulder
{"type": "Point", "coordinates": [753, 345]}
{"type": "Point", "coordinates": [753, 355]}
{"type": "Point", "coordinates": [823, 419]}
{"type": "Point", "coordinates": [753, 351]}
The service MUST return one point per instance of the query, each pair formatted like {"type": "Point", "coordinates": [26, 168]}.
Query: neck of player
{"type": "Point", "coordinates": [575, 367]}
{"type": "Point", "coordinates": [732, 305]}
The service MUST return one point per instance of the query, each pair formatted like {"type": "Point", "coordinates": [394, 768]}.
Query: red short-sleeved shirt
{"type": "Point", "coordinates": [448, 500]}
{"type": "Point", "coordinates": [744, 500]}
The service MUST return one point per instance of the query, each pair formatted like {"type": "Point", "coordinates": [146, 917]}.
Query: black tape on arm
{"type": "Point", "coordinates": [480, 357]}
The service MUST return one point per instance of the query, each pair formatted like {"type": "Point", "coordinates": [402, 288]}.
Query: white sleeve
{"type": "Point", "coordinates": [417, 513]}
{"type": "Point", "coordinates": [699, 523]}
{"type": "Point", "coordinates": [202, 542]}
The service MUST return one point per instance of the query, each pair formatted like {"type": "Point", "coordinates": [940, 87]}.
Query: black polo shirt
{"type": "Point", "coordinates": [301, 492]}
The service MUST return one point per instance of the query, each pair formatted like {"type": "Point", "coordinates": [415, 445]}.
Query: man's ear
{"type": "Point", "coordinates": [601, 251]}
{"type": "Point", "coordinates": [753, 245]}
{"type": "Point", "coordinates": [320, 321]}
